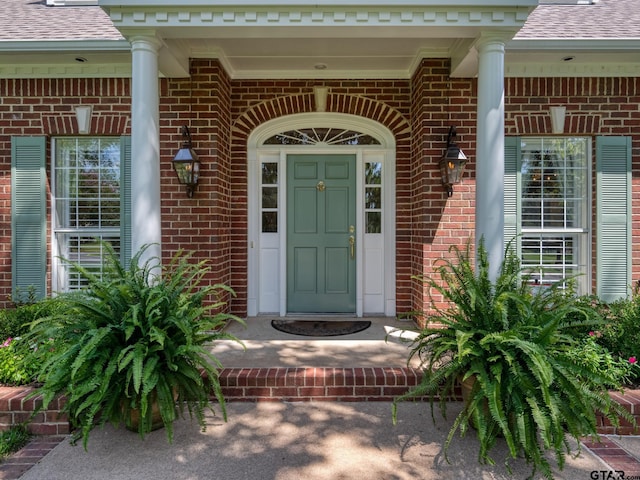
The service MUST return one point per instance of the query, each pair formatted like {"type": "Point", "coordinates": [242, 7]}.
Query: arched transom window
{"type": "Point", "coordinates": [321, 136]}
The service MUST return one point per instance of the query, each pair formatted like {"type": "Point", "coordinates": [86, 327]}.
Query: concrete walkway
{"type": "Point", "coordinates": [311, 441]}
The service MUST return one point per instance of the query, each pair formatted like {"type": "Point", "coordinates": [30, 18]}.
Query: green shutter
{"type": "Point", "coordinates": [613, 191]}
{"type": "Point", "coordinates": [28, 216]}
{"type": "Point", "coordinates": [125, 200]}
{"type": "Point", "coordinates": [511, 197]}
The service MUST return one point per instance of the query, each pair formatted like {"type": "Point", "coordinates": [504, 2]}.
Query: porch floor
{"type": "Point", "coordinates": [386, 343]}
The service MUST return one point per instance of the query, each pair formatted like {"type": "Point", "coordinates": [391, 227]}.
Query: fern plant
{"type": "Point", "coordinates": [515, 343]}
{"type": "Point", "coordinates": [133, 339]}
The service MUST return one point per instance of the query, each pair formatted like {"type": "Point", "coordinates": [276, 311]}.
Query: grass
{"type": "Point", "coordinates": [13, 440]}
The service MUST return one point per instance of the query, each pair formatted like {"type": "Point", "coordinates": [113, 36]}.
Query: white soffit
{"type": "Point", "coordinates": [572, 58]}
{"type": "Point", "coordinates": [66, 58]}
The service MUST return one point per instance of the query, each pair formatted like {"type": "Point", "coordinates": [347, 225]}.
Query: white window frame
{"type": "Point", "coordinates": [59, 229]}
{"type": "Point", "coordinates": [582, 233]}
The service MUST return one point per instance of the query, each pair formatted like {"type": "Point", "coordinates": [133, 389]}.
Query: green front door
{"type": "Point", "coordinates": [321, 234]}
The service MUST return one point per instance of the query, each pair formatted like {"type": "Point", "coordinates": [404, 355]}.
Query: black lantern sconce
{"type": "Point", "coordinates": [452, 163]}
{"type": "Point", "coordinates": [186, 163]}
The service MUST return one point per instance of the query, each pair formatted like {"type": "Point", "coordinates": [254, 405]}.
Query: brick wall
{"type": "Point", "coordinates": [437, 103]}
{"type": "Point", "coordinates": [221, 114]}
{"type": "Point", "coordinates": [595, 106]}
{"type": "Point", "coordinates": [202, 223]}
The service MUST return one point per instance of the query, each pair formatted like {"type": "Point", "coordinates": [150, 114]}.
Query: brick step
{"type": "Point", "coordinates": [366, 384]}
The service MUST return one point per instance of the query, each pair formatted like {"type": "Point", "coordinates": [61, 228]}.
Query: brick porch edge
{"type": "Point", "coordinates": [359, 384]}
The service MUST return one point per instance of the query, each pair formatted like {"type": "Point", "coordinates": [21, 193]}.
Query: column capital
{"type": "Point", "coordinates": [145, 39]}
{"type": "Point", "coordinates": [492, 40]}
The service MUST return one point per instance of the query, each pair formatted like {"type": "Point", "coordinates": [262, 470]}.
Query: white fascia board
{"type": "Point", "coordinates": [36, 55]}
{"type": "Point", "coordinates": [78, 46]}
{"type": "Point", "coordinates": [183, 16]}
{"type": "Point", "coordinates": [593, 44]}
{"type": "Point", "coordinates": [66, 71]}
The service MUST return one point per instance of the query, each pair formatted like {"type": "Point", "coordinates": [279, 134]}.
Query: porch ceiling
{"type": "Point", "coordinates": [340, 56]}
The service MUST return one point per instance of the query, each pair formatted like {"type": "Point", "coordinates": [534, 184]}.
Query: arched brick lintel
{"type": "Point", "coordinates": [107, 124]}
{"type": "Point", "coordinates": [336, 103]}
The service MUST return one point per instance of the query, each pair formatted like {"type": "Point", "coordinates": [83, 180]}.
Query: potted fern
{"type": "Point", "coordinates": [132, 342]}
{"type": "Point", "coordinates": [512, 345]}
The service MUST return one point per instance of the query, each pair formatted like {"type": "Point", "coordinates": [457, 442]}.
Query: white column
{"type": "Point", "coordinates": [145, 148]}
{"type": "Point", "coordinates": [490, 149]}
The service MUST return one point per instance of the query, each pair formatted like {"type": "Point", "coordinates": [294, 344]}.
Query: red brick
{"type": "Point", "coordinates": [43, 428]}
{"type": "Point", "coordinates": [295, 377]}
{"type": "Point", "coordinates": [340, 391]}
{"type": "Point", "coordinates": [259, 391]}
{"type": "Point", "coordinates": [358, 376]}
{"type": "Point", "coordinates": [233, 392]}
{"type": "Point", "coordinates": [284, 392]}
{"type": "Point", "coordinates": [366, 391]}
{"type": "Point", "coordinates": [311, 392]}
{"type": "Point", "coordinates": [394, 391]}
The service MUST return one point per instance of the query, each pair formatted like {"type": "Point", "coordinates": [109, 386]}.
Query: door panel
{"type": "Point", "coordinates": [305, 275]}
{"type": "Point", "coordinates": [320, 217]}
{"type": "Point", "coordinates": [337, 274]}
{"type": "Point", "coordinates": [305, 220]}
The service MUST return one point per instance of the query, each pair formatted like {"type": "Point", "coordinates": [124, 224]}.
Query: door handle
{"type": "Point", "coordinates": [352, 246]}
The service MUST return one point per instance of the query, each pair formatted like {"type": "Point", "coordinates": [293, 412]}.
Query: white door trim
{"type": "Point", "coordinates": [264, 268]}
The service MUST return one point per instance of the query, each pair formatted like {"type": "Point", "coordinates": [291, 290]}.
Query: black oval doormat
{"type": "Point", "coordinates": [320, 328]}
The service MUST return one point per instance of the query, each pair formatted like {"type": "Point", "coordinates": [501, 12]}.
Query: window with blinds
{"type": "Point", "coordinates": [86, 199]}
{"type": "Point", "coordinates": [554, 207]}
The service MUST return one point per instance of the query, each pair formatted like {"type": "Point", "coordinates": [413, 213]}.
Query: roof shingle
{"type": "Point", "coordinates": [611, 19]}
{"type": "Point", "coordinates": [34, 20]}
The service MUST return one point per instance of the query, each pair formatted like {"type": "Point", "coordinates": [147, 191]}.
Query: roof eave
{"type": "Point", "coordinates": [64, 46]}
{"type": "Point", "coordinates": [594, 44]}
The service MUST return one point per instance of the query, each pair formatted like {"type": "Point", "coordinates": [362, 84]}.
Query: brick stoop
{"type": "Point", "coordinates": [357, 384]}
{"type": "Point", "coordinates": [16, 408]}
{"type": "Point", "coordinates": [630, 400]}
{"type": "Point", "coordinates": [299, 384]}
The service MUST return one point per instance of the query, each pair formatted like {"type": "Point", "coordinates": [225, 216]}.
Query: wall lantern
{"type": "Point", "coordinates": [452, 163]}
{"type": "Point", "coordinates": [186, 163]}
